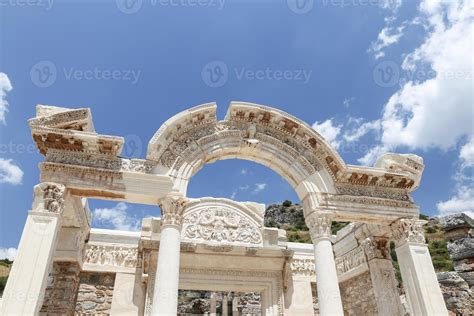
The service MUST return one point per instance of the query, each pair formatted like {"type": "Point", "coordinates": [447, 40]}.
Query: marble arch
{"type": "Point", "coordinates": [194, 241]}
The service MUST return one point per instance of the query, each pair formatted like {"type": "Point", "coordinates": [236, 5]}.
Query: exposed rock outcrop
{"type": "Point", "coordinates": [458, 286]}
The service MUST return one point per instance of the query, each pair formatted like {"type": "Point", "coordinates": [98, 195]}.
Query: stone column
{"type": "Point", "coordinates": [235, 305]}
{"type": "Point", "coordinates": [329, 296]}
{"type": "Point", "coordinates": [377, 252]}
{"type": "Point", "coordinates": [418, 274]}
{"type": "Point", "coordinates": [225, 305]}
{"type": "Point", "coordinates": [213, 304]}
{"type": "Point", "coordinates": [24, 291]}
{"type": "Point", "coordinates": [165, 296]}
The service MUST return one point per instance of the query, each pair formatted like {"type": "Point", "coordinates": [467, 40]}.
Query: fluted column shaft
{"type": "Point", "coordinates": [329, 296]}
{"type": "Point", "coordinates": [165, 297]}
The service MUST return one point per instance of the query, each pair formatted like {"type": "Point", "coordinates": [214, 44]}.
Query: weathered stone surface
{"type": "Point", "coordinates": [468, 277]}
{"type": "Point", "coordinates": [95, 293]}
{"type": "Point", "coordinates": [464, 265]}
{"type": "Point", "coordinates": [60, 296]}
{"type": "Point", "coordinates": [458, 297]}
{"type": "Point", "coordinates": [358, 296]}
{"type": "Point", "coordinates": [462, 248]}
{"type": "Point", "coordinates": [456, 221]}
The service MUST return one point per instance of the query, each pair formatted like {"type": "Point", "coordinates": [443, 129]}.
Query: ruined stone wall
{"type": "Point", "coordinates": [95, 293]}
{"type": "Point", "coordinates": [61, 291]}
{"type": "Point", "coordinates": [358, 296]}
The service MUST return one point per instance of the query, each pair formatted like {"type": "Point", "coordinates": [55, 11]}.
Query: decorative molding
{"type": "Point", "coordinates": [302, 267]}
{"type": "Point", "coordinates": [319, 225]}
{"type": "Point", "coordinates": [52, 197]}
{"type": "Point", "coordinates": [117, 256]}
{"type": "Point", "coordinates": [407, 230]}
{"type": "Point", "coordinates": [172, 209]}
{"type": "Point", "coordinates": [350, 261]}
{"type": "Point", "coordinates": [220, 225]}
{"type": "Point", "coordinates": [376, 248]}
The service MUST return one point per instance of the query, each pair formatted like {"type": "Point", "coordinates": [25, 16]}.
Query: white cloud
{"type": "Point", "coordinates": [362, 129]}
{"type": "Point", "coordinates": [466, 154]}
{"type": "Point", "coordinates": [8, 253]}
{"type": "Point", "coordinates": [243, 171]}
{"type": "Point", "coordinates": [259, 187]}
{"type": "Point", "coordinates": [233, 195]}
{"type": "Point", "coordinates": [462, 201]}
{"type": "Point", "coordinates": [329, 131]}
{"type": "Point", "coordinates": [388, 36]}
{"type": "Point", "coordinates": [116, 217]}
{"type": "Point", "coordinates": [9, 172]}
{"type": "Point", "coordinates": [5, 86]}
{"type": "Point", "coordinates": [434, 112]}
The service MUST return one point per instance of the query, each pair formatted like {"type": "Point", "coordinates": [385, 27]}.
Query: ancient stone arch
{"type": "Point", "coordinates": [193, 238]}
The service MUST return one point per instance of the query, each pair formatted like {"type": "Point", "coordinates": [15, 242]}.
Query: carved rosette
{"type": "Point", "coordinates": [319, 225]}
{"type": "Point", "coordinates": [51, 196]}
{"type": "Point", "coordinates": [376, 248]}
{"type": "Point", "coordinates": [172, 209]}
{"type": "Point", "coordinates": [407, 230]}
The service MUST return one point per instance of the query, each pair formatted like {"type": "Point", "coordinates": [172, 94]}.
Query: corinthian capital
{"type": "Point", "coordinates": [172, 209]}
{"type": "Point", "coordinates": [49, 197]}
{"type": "Point", "coordinates": [319, 225]}
{"type": "Point", "coordinates": [376, 248]}
{"type": "Point", "coordinates": [407, 230]}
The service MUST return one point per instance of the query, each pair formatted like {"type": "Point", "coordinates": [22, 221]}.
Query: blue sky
{"type": "Point", "coordinates": [370, 75]}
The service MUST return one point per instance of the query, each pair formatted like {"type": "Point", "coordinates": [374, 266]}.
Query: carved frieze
{"type": "Point", "coordinates": [220, 225]}
{"type": "Point", "coordinates": [350, 260]}
{"type": "Point", "coordinates": [302, 267]}
{"type": "Point", "coordinates": [407, 230]}
{"type": "Point", "coordinates": [117, 256]}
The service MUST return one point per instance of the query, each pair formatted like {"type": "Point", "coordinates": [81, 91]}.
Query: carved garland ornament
{"type": "Point", "coordinates": [220, 225]}
{"type": "Point", "coordinates": [350, 261]}
{"type": "Point", "coordinates": [407, 230]}
{"type": "Point", "coordinates": [302, 267]}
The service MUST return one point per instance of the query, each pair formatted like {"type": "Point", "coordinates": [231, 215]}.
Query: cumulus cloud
{"type": "Point", "coordinates": [436, 111]}
{"type": "Point", "coordinates": [329, 131]}
{"type": "Point", "coordinates": [9, 172]}
{"type": "Point", "coordinates": [116, 217]}
{"type": "Point", "coordinates": [361, 129]}
{"type": "Point", "coordinates": [462, 201]}
{"type": "Point", "coordinates": [8, 253]}
{"type": "Point", "coordinates": [259, 187]}
{"type": "Point", "coordinates": [5, 86]}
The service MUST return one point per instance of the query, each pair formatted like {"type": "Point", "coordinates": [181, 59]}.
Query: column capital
{"type": "Point", "coordinates": [376, 248]}
{"type": "Point", "coordinates": [172, 209]}
{"type": "Point", "coordinates": [319, 225]}
{"type": "Point", "coordinates": [408, 230]}
{"type": "Point", "coordinates": [49, 197]}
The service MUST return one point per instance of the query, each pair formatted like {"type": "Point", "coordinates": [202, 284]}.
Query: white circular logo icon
{"type": "Point", "coordinates": [300, 6]}
{"type": "Point", "coordinates": [215, 74]}
{"type": "Point", "coordinates": [386, 74]}
{"type": "Point", "coordinates": [129, 6]}
{"type": "Point", "coordinates": [43, 74]}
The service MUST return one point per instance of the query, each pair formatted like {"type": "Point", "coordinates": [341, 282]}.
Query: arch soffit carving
{"type": "Point", "coordinates": [284, 143]}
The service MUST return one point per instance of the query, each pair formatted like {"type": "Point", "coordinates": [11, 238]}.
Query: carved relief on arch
{"type": "Point", "coordinates": [221, 223]}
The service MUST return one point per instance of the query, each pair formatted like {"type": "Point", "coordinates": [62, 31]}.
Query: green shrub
{"type": "Point", "coordinates": [3, 282]}
{"type": "Point", "coordinates": [287, 203]}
